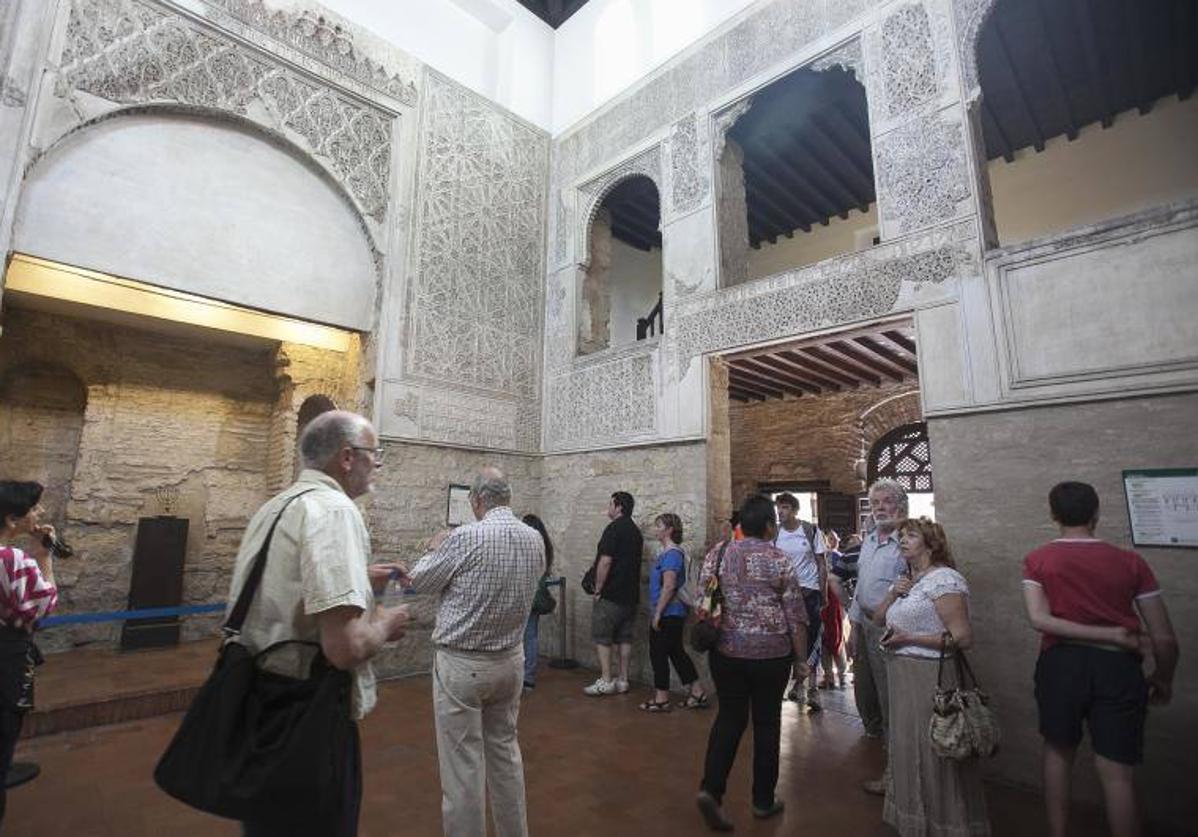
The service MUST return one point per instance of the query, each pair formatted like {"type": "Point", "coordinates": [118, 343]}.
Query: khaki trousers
{"type": "Point", "coordinates": [869, 678]}
{"type": "Point", "coordinates": [476, 701]}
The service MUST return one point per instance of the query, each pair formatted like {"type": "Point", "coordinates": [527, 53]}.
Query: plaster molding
{"type": "Point", "coordinates": [610, 402]}
{"type": "Point", "coordinates": [689, 184]}
{"type": "Point", "coordinates": [592, 193]}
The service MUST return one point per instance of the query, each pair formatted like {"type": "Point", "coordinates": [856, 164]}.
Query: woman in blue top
{"type": "Point", "coordinates": [669, 616]}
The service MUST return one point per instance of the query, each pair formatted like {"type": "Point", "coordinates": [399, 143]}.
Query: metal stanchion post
{"type": "Point", "coordinates": [563, 624]}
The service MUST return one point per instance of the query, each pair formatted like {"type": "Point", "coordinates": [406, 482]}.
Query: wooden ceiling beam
{"type": "Point", "coordinates": [859, 128]}
{"type": "Point", "coordinates": [744, 383]}
{"type": "Point", "coordinates": [1184, 35]}
{"type": "Point", "coordinates": [1005, 149]}
{"type": "Point", "coordinates": [827, 174]}
{"type": "Point", "coordinates": [743, 375]}
{"type": "Point", "coordinates": [1071, 126]}
{"type": "Point", "coordinates": [788, 368]}
{"type": "Point", "coordinates": [770, 207]}
{"type": "Point", "coordinates": [901, 340]}
{"type": "Point", "coordinates": [810, 357]}
{"type": "Point", "coordinates": [741, 395]}
{"type": "Point", "coordinates": [798, 182]}
{"type": "Point", "coordinates": [888, 354]}
{"type": "Point", "coordinates": [755, 364]}
{"type": "Point", "coordinates": [762, 223]}
{"type": "Point", "coordinates": [1012, 71]}
{"type": "Point", "coordinates": [856, 184]}
{"type": "Point", "coordinates": [642, 215]}
{"type": "Point", "coordinates": [860, 358]}
{"type": "Point", "coordinates": [862, 174]}
{"type": "Point", "coordinates": [630, 235]}
{"type": "Point", "coordinates": [861, 374]}
{"type": "Point", "coordinates": [1134, 42]}
{"type": "Point", "coordinates": [1081, 12]}
{"type": "Point", "coordinates": [762, 181]}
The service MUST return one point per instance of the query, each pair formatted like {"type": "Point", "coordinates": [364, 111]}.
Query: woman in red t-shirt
{"type": "Point", "coordinates": [1087, 598]}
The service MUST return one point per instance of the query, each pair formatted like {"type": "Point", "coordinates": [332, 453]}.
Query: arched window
{"type": "Point", "coordinates": [620, 301]}
{"type": "Point", "coordinates": [903, 455]}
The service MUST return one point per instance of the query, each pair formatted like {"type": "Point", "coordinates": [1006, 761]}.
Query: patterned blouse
{"type": "Point", "coordinates": [763, 602]}
{"type": "Point", "coordinates": [25, 595]}
{"type": "Point", "coordinates": [916, 613]}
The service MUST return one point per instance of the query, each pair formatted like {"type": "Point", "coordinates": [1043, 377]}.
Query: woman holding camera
{"type": "Point", "coordinates": [924, 612]}
{"type": "Point", "coordinates": [27, 594]}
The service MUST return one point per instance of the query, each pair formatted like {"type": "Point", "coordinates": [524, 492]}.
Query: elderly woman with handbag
{"type": "Point", "coordinates": [927, 617]}
{"type": "Point", "coordinates": [762, 637]}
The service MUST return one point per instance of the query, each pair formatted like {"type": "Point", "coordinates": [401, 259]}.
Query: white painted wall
{"type": "Point", "coordinates": [836, 239]}
{"type": "Point", "coordinates": [1139, 162]}
{"type": "Point", "coordinates": [202, 207]}
{"type": "Point", "coordinates": [610, 44]}
{"type": "Point", "coordinates": [635, 282]}
{"type": "Point", "coordinates": [495, 47]}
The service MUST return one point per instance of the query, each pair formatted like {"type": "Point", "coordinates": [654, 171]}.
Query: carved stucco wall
{"type": "Point", "coordinates": [471, 357]}
{"type": "Point", "coordinates": [139, 51]}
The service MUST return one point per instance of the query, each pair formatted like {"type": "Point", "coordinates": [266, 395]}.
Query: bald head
{"type": "Point", "coordinates": [491, 488]}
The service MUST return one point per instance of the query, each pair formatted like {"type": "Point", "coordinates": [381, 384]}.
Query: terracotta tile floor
{"type": "Point", "coordinates": [594, 766]}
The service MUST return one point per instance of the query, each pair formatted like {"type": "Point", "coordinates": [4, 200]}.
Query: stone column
{"type": "Point", "coordinates": [719, 450]}
{"type": "Point", "coordinates": [732, 216]}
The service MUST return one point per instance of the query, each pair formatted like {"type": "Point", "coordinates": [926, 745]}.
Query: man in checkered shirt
{"type": "Point", "coordinates": [486, 573]}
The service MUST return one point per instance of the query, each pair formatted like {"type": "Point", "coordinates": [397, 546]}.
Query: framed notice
{"type": "Point", "coordinates": [457, 506]}
{"type": "Point", "coordinates": [1162, 505]}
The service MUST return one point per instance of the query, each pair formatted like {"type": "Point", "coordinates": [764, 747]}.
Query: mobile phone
{"type": "Point", "coordinates": [882, 642]}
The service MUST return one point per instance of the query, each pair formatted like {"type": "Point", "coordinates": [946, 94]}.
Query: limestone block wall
{"type": "Point", "coordinates": [812, 438]}
{"type": "Point", "coordinates": [993, 474]}
{"type": "Point", "coordinates": [575, 490]}
{"type": "Point", "coordinates": [408, 506]}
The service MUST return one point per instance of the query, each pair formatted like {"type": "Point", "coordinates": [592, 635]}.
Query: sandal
{"type": "Point", "coordinates": [693, 702]}
{"type": "Point", "coordinates": [654, 706]}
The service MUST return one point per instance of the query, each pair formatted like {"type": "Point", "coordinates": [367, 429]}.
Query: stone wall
{"type": "Point", "coordinates": [993, 474]}
{"type": "Point", "coordinates": [193, 418]}
{"type": "Point", "coordinates": [812, 438]}
{"type": "Point", "coordinates": [408, 506]}
{"type": "Point", "coordinates": [575, 491]}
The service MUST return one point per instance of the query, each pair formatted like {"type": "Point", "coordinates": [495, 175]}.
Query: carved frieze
{"type": "Point", "coordinates": [474, 313]}
{"type": "Point", "coordinates": [922, 174]}
{"type": "Point", "coordinates": [604, 403]}
{"type": "Point", "coordinates": [834, 292]}
{"type": "Point", "coordinates": [326, 41]}
{"type": "Point", "coordinates": [591, 193]}
{"type": "Point", "coordinates": [131, 51]}
{"type": "Point", "coordinates": [909, 69]}
{"type": "Point", "coordinates": [451, 416]}
{"type": "Point", "coordinates": [969, 16]}
{"type": "Point", "coordinates": [689, 185]}
{"type": "Point", "coordinates": [847, 56]}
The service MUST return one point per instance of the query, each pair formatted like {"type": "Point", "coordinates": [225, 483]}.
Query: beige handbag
{"type": "Point", "coordinates": [963, 724]}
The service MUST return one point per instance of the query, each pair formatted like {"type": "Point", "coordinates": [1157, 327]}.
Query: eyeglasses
{"type": "Point", "coordinates": [377, 453]}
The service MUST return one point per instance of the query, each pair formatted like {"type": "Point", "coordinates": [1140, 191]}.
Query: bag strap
{"type": "Point", "coordinates": [945, 638]}
{"type": "Point", "coordinates": [237, 615]}
{"type": "Point", "coordinates": [964, 668]}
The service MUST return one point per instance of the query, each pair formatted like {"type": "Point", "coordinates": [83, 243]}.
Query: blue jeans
{"type": "Point", "coordinates": [530, 649]}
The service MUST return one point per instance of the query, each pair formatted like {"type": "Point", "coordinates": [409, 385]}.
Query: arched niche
{"type": "Point", "coordinates": [620, 296]}
{"type": "Point", "coordinates": [204, 203]}
{"type": "Point", "coordinates": [41, 422]}
{"type": "Point", "coordinates": [312, 407]}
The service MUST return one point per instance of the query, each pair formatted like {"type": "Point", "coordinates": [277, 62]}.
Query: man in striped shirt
{"type": "Point", "coordinates": [486, 573]}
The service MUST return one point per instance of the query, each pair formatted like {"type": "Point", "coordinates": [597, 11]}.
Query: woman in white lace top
{"type": "Point", "coordinates": [926, 794]}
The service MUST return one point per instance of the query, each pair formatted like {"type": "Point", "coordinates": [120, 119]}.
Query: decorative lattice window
{"type": "Point", "coordinates": [903, 454]}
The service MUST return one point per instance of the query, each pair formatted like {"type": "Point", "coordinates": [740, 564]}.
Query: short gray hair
{"type": "Point", "coordinates": [491, 488]}
{"type": "Point", "coordinates": [895, 489]}
{"type": "Point", "coordinates": [326, 434]}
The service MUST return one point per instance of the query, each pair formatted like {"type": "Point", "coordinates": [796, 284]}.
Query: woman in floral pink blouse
{"type": "Point", "coordinates": [763, 635]}
{"type": "Point", "coordinates": [27, 593]}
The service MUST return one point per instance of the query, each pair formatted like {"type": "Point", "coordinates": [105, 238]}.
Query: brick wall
{"type": "Point", "coordinates": [812, 437]}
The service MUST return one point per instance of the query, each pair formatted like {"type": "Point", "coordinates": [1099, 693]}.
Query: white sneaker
{"type": "Point", "coordinates": [621, 686]}
{"type": "Point", "coordinates": [602, 687]}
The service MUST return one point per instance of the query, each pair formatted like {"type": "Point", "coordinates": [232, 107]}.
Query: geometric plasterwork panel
{"type": "Point", "coordinates": [134, 51]}
{"type": "Point", "coordinates": [329, 43]}
{"type": "Point", "coordinates": [475, 298]}
{"type": "Point", "coordinates": [562, 225]}
{"type": "Point", "coordinates": [909, 75]}
{"type": "Point", "coordinates": [592, 193]}
{"type": "Point", "coordinates": [921, 173]}
{"type": "Point", "coordinates": [767, 35]}
{"type": "Point", "coordinates": [847, 56]}
{"type": "Point", "coordinates": [605, 403]}
{"type": "Point", "coordinates": [834, 292]}
{"type": "Point", "coordinates": [689, 184]}
{"type": "Point", "coordinates": [455, 417]}
{"type": "Point", "coordinates": [559, 333]}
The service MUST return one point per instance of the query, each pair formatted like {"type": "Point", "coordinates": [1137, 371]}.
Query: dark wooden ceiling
{"type": "Point", "coordinates": [807, 155]}
{"type": "Point", "coordinates": [871, 357]}
{"type": "Point", "coordinates": [1050, 67]}
{"type": "Point", "coordinates": [553, 12]}
{"type": "Point", "coordinates": [635, 209]}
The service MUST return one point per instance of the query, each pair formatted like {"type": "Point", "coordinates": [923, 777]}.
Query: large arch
{"type": "Point", "coordinates": [204, 202]}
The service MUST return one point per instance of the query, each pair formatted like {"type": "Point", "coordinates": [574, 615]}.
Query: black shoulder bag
{"type": "Point", "coordinates": [259, 746]}
{"type": "Point", "coordinates": [705, 633]}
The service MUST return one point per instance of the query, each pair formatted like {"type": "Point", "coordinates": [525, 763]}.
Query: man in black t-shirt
{"type": "Point", "coordinates": [617, 590]}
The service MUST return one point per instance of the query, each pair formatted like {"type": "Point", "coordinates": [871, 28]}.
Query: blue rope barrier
{"type": "Point", "coordinates": [128, 615]}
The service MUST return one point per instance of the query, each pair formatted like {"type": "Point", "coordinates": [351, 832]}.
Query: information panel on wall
{"type": "Point", "coordinates": [1162, 504]}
